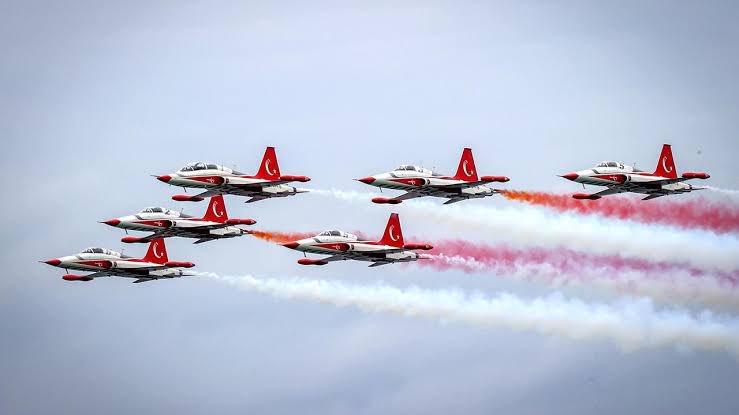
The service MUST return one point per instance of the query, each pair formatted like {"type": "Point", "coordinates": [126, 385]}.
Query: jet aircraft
{"type": "Point", "coordinates": [106, 263]}
{"type": "Point", "coordinates": [417, 182]}
{"type": "Point", "coordinates": [620, 178]}
{"type": "Point", "coordinates": [344, 246]}
{"type": "Point", "coordinates": [166, 223]}
{"type": "Point", "coordinates": [217, 179]}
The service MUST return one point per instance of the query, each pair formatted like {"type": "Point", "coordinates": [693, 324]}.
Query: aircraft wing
{"type": "Point", "coordinates": [209, 193]}
{"type": "Point", "coordinates": [610, 191]}
{"type": "Point", "coordinates": [380, 263]}
{"type": "Point", "coordinates": [99, 274]}
{"type": "Point", "coordinates": [256, 199]}
{"type": "Point", "coordinates": [454, 200]}
{"type": "Point", "coordinates": [654, 196]}
{"type": "Point", "coordinates": [201, 240]}
{"type": "Point", "coordinates": [170, 232]}
{"type": "Point", "coordinates": [410, 195]}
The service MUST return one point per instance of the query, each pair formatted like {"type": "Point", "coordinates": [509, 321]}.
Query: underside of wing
{"type": "Point", "coordinates": [410, 195]}
{"type": "Point", "coordinates": [610, 191]}
{"type": "Point", "coordinates": [454, 200]}
{"type": "Point", "coordinates": [654, 196]}
{"type": "Point", "coordinates": [334, 258]}
{"type": "Point", "coordinates": [379, 263]}
{"type": "Point", "coordinates": [256, 199]}
{"type": "Point", "coordinates": [209, 193]}
{"type": "Point", "coordinates": [98, 274]}
{"type": "Point", "coordinates": [201, 240]}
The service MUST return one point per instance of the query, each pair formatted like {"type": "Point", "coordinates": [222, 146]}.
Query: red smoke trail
{"type": "Point", "coordinates": [280, 237]}
{"type": "Point", "coordinates": [719, 217]}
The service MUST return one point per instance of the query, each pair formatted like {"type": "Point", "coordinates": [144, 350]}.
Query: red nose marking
{"type": "Point", "coordinates": [112, 222]}
{"type": "Point", "coordinates": [166, 178]}
{"type": "Point", "coordinates": [53, 262]}
{"type": "Point", "coordinates": [291, 245]}
{"type": "Point", "coordinates": [367, 180]}
{"type": "Point", "coordinates": [570, 176]}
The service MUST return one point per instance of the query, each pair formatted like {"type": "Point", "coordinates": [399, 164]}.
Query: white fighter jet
{"type": "Point", "coordinates": [343, 246]}
{"type": "Point", "coordinates": [166, 223]}
{"type": "Point", "coordinates": [217, 179]}
{"type": "Point", "coordinates": [418, 182]}
{"type": "Point", "coordinates": [106, 263]}
{"type": "Point", "coordinates": [620, 178]}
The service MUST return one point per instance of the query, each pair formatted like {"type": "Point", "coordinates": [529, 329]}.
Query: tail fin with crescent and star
{"type": "Point", "coordinates": [466, 170]}
{"type": "Point", "coordinates": [665, 165]}
{"type": "Point", "coordinates": [216, 210]}
{"type": "Point", "coordinates": [157, 252]}
{"type": "Point", "coordinates": [269, 169]}
{"type": "Point", "coordinates": [393, 235]}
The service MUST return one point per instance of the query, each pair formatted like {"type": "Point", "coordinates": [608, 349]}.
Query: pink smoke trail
{"type": "Point", "coordinates": [719, 216]}
{"type": "Point", "coordinates": [563, 267]}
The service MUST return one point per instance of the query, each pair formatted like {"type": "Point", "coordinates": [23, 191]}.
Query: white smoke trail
{"type": "Point", "coordinates": [726, 192]}
{"type": "Point", "coordinates": [632, 324]}
{"type": "Point", "coordinates": [671, 286]}
{"type": "Point", "coordinates": [538, 227]}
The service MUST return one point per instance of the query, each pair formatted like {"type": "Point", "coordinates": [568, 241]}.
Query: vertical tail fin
{"type": "Point", "coordinates": [157, 252]}
{"type": "Point", "coordinates": [269, 169]}
{"type": "Point", "coordinates": [216, 210]}
{"type": "Point", "coordinates": [393, 235]}
{"type": "Point", "coordinates": [466, 170]}
{"type": "Point", "coordinates": [665, 164]}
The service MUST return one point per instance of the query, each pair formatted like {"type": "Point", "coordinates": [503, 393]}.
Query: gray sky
{"type": "Point", "coordinates": [97, 97]}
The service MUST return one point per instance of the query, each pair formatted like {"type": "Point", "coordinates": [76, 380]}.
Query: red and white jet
{"type": "Point", "coordinates": [620, 178]}
{"type": "Point", "coordinates": [106, 263]}
{"type": "Point", "coordinates": [418, 182]}
{"type": "Point", "coordinates": [217, 179]}
{"type": "Point", "coordinates": [342, 246]}
{"type": "Point", "coordinates": [166, 223]}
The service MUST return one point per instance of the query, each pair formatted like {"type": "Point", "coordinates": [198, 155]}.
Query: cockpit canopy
{"type": "Point", "coordinates": [616, 164]}
{"type": "Point", "coordinates": [164, 211]}
{"type": "Point", "coordinates": [337, 233]}
{"type": "Point", "coordinates": [609, 164]}
{"type": "Point", "coordinates": [419, 169]}
{"type": "Point", "coordinates": [199, 165]}
{"type": "Point", "coordinates": [102, 251]}
{"type": "Point", "coordinates": [155, 209]}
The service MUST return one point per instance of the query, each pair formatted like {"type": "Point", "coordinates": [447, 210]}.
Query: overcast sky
{"type": "Point", "coordinates": [97, 97]}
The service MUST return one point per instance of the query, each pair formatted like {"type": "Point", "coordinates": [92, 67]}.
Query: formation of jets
{"type": "Point", "coordinates": [334, 245]}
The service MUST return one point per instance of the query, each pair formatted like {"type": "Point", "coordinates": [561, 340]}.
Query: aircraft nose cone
{"type": "Point", "coordinates": [53, 262]}
{"type": "Point", "coordinates": [366, 180]}
{"type": "Point", "coordinates": [112, 222]}
{"type": "Point", "coordinates": [166, 178]}
{"type": "Point", "coordinates": [570, 176]}
{"type": "Point", "coordinates": [291, 245]}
